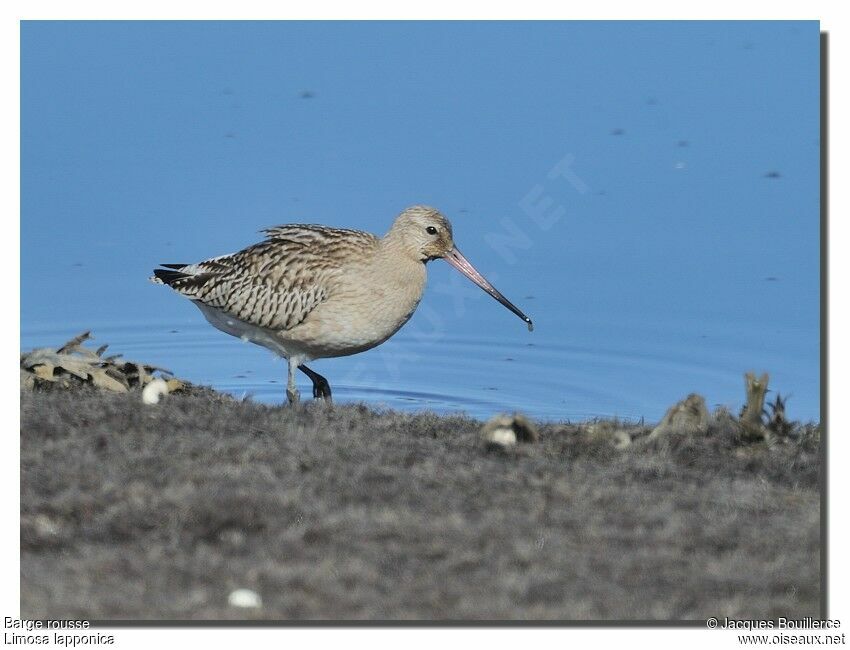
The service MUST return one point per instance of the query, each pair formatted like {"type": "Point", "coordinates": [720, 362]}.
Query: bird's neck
{"type": "Point", "coordinates": [394, 246]}
{"type": "Point", "coordinates": [399, 266]}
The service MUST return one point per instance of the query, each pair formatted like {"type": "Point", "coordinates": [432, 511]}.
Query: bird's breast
{"type": "Point", "coordinates": [364, 310]}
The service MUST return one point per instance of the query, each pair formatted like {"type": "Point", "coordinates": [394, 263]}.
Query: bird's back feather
{"type": "Point", "coordinates": [275, 283]}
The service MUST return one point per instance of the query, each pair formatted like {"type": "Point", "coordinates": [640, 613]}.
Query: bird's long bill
{"type": "Point", "coordinates": [462, 264]}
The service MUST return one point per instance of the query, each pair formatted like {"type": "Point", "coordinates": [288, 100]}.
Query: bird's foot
{"type": "Point", "coordinates": [321, 387]}
{"type": "Point", "coordinates": [322, 390]}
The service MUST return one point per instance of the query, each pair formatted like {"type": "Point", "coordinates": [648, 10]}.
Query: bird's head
{"type": "Point", "coordinates": [424, 234]}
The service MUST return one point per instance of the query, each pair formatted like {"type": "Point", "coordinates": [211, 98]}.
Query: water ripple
{"type": "Point", "coordinates": [622, 371]}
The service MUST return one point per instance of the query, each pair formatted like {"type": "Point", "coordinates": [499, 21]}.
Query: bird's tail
{"type": "Point", "coordinates": [168, 275]}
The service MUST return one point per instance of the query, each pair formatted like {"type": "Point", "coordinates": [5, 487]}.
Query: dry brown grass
{"type": "Point", "coordinates": [158, 512]}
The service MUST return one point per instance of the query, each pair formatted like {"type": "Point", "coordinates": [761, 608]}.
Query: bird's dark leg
{"type": "Point", "coordinates": [321, 387]}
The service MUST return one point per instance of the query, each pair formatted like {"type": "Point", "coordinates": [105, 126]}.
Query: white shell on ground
{"type": "Point", "coordinates": [244, 598]}
{"type": "Point", "coordinates": [502, 437]}
{"type": "Point", "coordinates": [154, 390]}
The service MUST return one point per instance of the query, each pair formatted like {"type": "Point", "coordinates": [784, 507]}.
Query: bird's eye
{"type": "Point", "coordinates": [431, 230]}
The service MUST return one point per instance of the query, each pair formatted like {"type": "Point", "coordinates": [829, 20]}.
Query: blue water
{"type": "Point", "coordinates": [647, 192]}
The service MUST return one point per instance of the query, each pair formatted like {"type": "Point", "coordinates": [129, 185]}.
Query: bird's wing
{"type": "Point", "coordinates": [276, 283]}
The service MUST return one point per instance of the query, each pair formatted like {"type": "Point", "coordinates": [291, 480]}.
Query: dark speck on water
{"type": "Point", "coordinates": [592, 348]}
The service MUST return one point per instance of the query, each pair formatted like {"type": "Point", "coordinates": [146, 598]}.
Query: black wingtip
{"type": "Point", "coordinates": [168, 277]}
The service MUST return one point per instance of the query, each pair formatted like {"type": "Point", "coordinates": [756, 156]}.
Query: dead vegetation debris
{"type": "Point", "coordinates": [688, 416]}
{"type": "Point", "coordinates": [73, 365]}
{"type": "Point", "coordinates": [504, 431]}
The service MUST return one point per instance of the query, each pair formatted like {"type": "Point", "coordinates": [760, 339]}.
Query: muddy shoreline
{"type": "Point", "coordinates": [137, 511]}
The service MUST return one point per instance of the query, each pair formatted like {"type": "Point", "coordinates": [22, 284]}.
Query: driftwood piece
{"type": "Point", "coordinates": [688, 416]}
{"type": "Point", "coordinates": [752, 422]}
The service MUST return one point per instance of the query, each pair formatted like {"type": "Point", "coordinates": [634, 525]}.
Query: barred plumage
{"type": "Point", "coordinates": [310, 291]}
{"type": "Point", "coordinates": [276, 283]}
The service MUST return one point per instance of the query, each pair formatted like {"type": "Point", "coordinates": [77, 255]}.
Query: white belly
{"type": "Point", "coordinates": [247, 332]}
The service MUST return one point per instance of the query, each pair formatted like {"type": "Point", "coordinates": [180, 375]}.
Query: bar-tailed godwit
{"type": "Point", "coordinates": [311, 292]}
